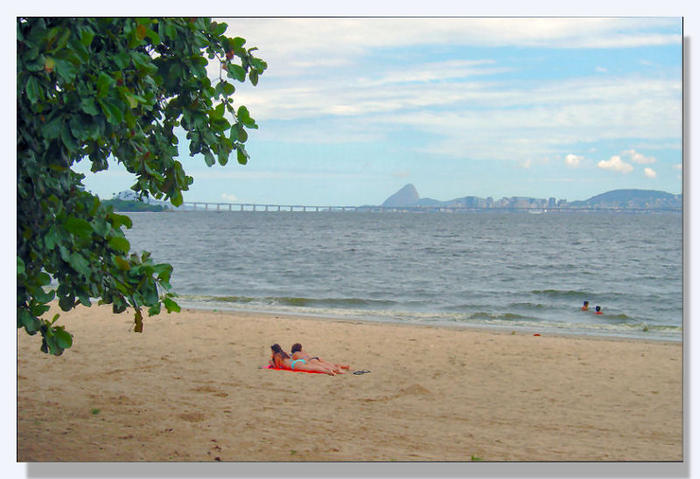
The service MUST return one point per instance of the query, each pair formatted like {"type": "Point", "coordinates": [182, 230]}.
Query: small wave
{"type": "Point", "coordinates": [665, 328]}
{"type": "Point", "coordinates": [536, 306]}
{"type": "Point", "coordinates": [499, 316]}
{"type": "Point", "coordinates": [294, 301]}
{"type": "Point", "coordinates": [620, 316]}
{"type": "Point", "coordinates": [556, 293]}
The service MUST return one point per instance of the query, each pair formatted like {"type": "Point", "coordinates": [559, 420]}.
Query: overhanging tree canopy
{"type": "Point", "coordinates": [88, 88]}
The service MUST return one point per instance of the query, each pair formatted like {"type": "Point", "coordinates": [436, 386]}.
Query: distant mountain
{"type": "Point", "coordinates": [407, 197]}
{"type": "Point", "coordinates": [429, 202]}
{"type": "Point", "coordinates": [649, 199]}
{"type": "Point", "coordinates": [130, 201]}
{"type": "Point", "coordinates": [131, 205]}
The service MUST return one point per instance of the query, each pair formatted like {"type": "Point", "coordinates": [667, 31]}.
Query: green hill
{"type": "Point", "coordinates": [647, 199]}
{"type": "Point", "coordinates": [131, 205]}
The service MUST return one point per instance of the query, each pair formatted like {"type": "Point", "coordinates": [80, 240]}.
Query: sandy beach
{"type": "Point", "coordinates": [191, 387]}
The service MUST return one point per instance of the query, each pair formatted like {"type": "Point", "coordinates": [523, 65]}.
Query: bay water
{"type": "Point", "coordinates": [510, 271]}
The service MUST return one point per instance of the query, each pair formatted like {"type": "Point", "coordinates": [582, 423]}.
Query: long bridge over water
{"type": "Point", "coordinates": [219, 206]}
{"type": "Point", "coordinates": [208, 206]}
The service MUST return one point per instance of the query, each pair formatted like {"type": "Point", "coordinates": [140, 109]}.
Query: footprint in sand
{"type": "Point", "coordinates": [415, 389]}
{"type": "Point", "coordinates": [123, 400]}
{"type": "Point", "coordinates": [209, 389]}
{"type": "Point", "coordinates": [204, 389]}
{"type": "Point", "coordinates": [412, 390]}
{"type": "Point", "coordinates": [192, 416]}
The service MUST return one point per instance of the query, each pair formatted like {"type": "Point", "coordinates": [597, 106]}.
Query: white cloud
{"type": "Point", "coordinates": [549, 115]}
{"type": "Point", "coordinates": [638, 158]}
{"type": "Point", "coordinates": [434, 71]}
{"type": "Point", "coordinates": [601, 69]}
{"type": "Point", "coordinates": [295, 37]}
{"type": "Point", "coordinates": [649, 173]}
{"type": "Point", "coordinates": [629, 101]}
{"type": "Point", "coordinates": [615, 163]}
{"type": "Point", "coordinates": [229, 197]}
{"type": "Point", "coordinates": [630, 41]}
{"type": "Point", "coordinates": [572, 160]}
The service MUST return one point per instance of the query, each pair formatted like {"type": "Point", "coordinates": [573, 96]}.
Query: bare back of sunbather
{"type": "Point", "coordinates": [299, 353]}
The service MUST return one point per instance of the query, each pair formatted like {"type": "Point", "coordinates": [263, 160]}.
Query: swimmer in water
{"type": "Point", "coordinates": [585, 306]}
{"type": "Point", "coordinates": [598, 310]}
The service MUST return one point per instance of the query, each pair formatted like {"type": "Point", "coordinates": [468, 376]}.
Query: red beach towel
{"type": "Point", "coordinates": [292, 370]}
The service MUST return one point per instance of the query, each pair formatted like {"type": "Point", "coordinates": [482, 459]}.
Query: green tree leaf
{"type": "Point", "coordinates": [78, 227]}
{"type": "Point", "coordinates": [104, 83]}
{"type": "Point", "coordinates": [66, 70]}
{"type": "Point", "coordinates": [236, 71]}
{"type": "Point", "coordinates": [244, 117]}
{"type": "Point", "coordinates": [63, 338]}
{"type": "Point", "coordinates": [171, 305]}
{"type": "Point", "coordinates": [33, 89]}
{"type": "Point", "coordinates": [79, 263]}
{"type": "Point", "coordinates": [44, 296]}
{"type": "Point", "coordinates": [88, 106]}
{"type": "Point", "coordinates": [112, 111]}
{"type": "Point", "coordinates": [120, 244]}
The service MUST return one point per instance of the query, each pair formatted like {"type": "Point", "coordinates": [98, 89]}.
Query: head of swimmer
{"type": "Point", "coordinates": [278, 354]}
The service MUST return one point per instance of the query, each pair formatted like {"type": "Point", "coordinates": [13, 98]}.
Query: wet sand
{"type": "Point", "coordinates": [191, 387]}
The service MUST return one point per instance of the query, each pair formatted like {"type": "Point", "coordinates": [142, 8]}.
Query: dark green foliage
{"type": "Point", "coordinates": [88, 88]}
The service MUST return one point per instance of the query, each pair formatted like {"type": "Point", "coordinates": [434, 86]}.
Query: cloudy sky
{"type": "Point", "coordinates": [352, 109]}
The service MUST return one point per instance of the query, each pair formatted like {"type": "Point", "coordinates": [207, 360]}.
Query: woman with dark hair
{"type": "Point", "coordinates": [281, 360]}
{"type": "Point", "coordinates": [299, 353]}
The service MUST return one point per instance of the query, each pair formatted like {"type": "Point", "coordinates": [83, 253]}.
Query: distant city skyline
{"type": "Point", "coordinates": [352, 109]}
{"type": "Point", "coordinates": [409, 197]}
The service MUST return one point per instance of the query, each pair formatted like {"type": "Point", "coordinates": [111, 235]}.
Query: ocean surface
{"type": "Point", "coordinates": [511, 271]}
